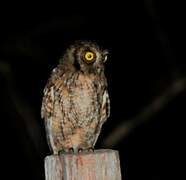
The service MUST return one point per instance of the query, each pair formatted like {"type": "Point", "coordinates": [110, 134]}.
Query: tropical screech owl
{"type": "Point", "coordinates": [76, 103]}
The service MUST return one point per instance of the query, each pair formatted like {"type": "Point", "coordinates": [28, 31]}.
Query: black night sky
{"type": "Point", "coordinates": [146, 73]}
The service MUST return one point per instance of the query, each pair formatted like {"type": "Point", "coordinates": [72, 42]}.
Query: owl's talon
{"type": "Point", "coordinates": [71, 150]}
{"type": "Point", "coordinates": [61, 152]}
{"type": "Point", "coordinates": [91, 149]}
{"type": "Point", "coordinates": [80, 150]}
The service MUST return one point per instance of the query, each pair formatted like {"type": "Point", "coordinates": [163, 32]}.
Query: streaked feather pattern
{"type": "Point", "coordinates": [75, 105]}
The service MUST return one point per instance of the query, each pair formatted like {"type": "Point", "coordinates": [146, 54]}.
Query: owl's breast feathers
{"type": "Point", "coordinates": [82, 98]}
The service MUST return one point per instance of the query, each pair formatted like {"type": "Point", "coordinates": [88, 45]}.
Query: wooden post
{"type": "Point", "coordinates": [101, 164]}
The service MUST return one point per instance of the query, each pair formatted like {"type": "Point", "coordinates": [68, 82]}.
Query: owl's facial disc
{"type": "Point", "coordinates": [89, 57]}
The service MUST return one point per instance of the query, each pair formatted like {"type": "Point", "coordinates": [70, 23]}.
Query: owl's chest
{"type": "Point", "coordinates": [86, 92]}
{"type": "Point", "coordinates": [84, 98]}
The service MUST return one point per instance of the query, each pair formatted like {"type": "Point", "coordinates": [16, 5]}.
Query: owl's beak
{"type": "Point", "coordinates": [105, 55]}
{"type": "Point", "coordinates": [105, 52]}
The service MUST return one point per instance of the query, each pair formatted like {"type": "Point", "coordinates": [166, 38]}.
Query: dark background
{"type": "Point", "coordinates": [145, 71]}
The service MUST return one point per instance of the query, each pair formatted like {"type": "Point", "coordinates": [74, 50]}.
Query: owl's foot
{"type": "Point", "coordinates": [61, 152]}
{"type": "Point", "coordinates": [91, 149]}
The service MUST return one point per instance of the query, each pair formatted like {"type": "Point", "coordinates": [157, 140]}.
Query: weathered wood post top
{"type": "Point", "coordinates": [103, 164]}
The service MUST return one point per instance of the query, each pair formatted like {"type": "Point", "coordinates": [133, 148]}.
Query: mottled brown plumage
{"type": "Point", "coordinates": [75, 102]}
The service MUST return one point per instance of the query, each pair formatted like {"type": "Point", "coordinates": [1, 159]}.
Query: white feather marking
{"type": "Point", "coordinates": [52, 94]}
{"type": "Point", "coordinates": [50, 134]}
{"type": "Point", "coordinates": [105, 97]}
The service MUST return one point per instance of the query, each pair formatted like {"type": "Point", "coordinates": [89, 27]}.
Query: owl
{"type": "Point", "coordinates": [76, 103]}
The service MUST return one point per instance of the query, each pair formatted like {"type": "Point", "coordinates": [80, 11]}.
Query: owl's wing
{"type": "Point", "coordinates": [105, 107]}
{"type": "Point", "coordinates": [50, 91]}
{"type": "Point", "coordinates": [47, 103]}
{"type": "Point", "coordinates": [105, 113]}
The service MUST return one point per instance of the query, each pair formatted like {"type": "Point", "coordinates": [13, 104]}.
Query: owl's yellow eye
{"type": "Point", "coordinates": [89, 56]}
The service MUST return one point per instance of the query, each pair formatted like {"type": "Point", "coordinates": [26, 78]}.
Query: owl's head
{"type": "Point", "coordinates": [86, 56]}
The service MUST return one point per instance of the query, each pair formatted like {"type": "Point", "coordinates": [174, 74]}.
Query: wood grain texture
{"type": "Point", "coordinates": [100, 165]}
